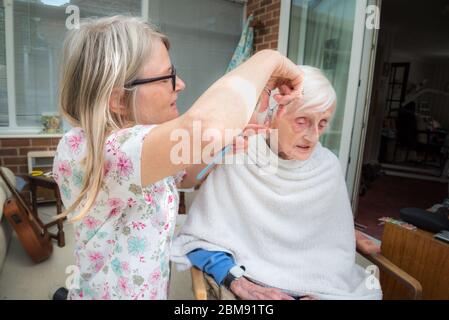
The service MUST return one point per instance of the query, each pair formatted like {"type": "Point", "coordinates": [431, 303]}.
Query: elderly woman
{"type": "Point", "coordinates": [279, 224]}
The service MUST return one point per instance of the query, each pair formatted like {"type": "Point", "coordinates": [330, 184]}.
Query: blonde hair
{"type": "Point", "coordinates": [100, 56]}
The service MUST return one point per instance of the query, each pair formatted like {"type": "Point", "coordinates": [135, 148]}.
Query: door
{"type": "Point", "coordinates": [332, 35]}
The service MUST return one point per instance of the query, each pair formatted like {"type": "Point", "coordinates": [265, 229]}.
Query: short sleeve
{"type": "Point", "coordinates": [124, 154]}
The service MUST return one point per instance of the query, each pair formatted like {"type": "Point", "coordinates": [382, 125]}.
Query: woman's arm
{"type": "Point", "coordinates": [227, 104]}
{"type": "Point", "coordinates": [240, 144]}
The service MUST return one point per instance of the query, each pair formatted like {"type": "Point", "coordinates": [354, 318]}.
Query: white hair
{"type": "Point", "coordinates": [319, 94]}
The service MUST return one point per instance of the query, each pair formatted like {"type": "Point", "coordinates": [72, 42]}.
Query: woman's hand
{"type": "Point", "coordinates": [240, 143]}
{"type": "Point", "coordinates": [247, 290]}
{"type": "Point", "coordinates": [288, 78]}
{"type": "Point", "coordinates": [365, 245]}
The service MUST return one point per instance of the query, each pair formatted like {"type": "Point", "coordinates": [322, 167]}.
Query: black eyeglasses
{"type": "Point", "coordinates": [143, 81]}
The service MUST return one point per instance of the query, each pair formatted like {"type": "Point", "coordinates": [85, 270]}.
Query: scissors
{"type": "Point", "coordinates": [228, 148]}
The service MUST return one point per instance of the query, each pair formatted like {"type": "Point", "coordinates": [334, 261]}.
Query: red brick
{"type": "Point", "coordinates": [263, 31]}
{"type": "Point", "coordinates": [265, 3]}
{"type": "Point", "coordinates": [15, 161]}
{"type": "Point", "coordinates": [262, 46]}
{"type": "Point", "coordinates": [274, 45]}
{"type": "Point", "coordinates": [274, 30]}
{"type": "Point", "coordinates": [272, 22]}
{"type": "Point", "coordinates": [259, 12]}
{"type": "Point", "coordinates": [15, 142]}
{"type": "Point", "coordinates": [24, 151]}
{"type": "Point", "coordinates": [265, 17]}
{"type": "Point", "coordinates": [270, 37]}
{"type": "Point", "coordinates": [8, 152]}
{"type": "Point", "coordinates": [250, 8]}
{"type": "Point", "coordinates": [41, 142]}
{"type": "Point", "coordinates": [273, 7]}
{"type": "Point", "coordinates": [22, 169]}
{"type": "Point", "coordinates": [14, 169]}
{"type": "Point", "coordinates": [276, 14]}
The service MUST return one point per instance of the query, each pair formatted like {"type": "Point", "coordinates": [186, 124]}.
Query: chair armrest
{"type": "Point", "coordinates": [198, 284]}
{"type": "Point", "coordinates": [384, 264]}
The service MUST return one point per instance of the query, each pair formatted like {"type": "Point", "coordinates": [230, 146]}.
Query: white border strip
{"type": "Point", "coordinates": [10, 72]}
{"type": "Point", "coordinates": [353, 83]}
{"type": "Point", "coordinates": [145, 5]}
{"type": "Point", "coordinates": [284, 25]}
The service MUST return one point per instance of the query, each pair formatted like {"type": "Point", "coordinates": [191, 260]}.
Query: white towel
{"type": "Point", "coordinates": [292, 230]}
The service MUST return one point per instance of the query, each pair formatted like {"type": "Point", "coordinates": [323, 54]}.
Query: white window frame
{"type": "Point", "coordinates": [14, 130]}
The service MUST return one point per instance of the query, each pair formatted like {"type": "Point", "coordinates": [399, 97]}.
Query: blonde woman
{"type": "Point", "coordinates": [117, 181]}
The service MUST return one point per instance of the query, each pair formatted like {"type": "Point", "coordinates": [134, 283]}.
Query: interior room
{"type": "Point", "coordinates": [405, 162]}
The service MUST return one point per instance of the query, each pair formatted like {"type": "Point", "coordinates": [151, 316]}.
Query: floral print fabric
{"type": "Point", "coordinates": [123, 243]}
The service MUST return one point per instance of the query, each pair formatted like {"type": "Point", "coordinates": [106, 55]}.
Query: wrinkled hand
{"type": "Point", "coordinates": [365, 245]}
{"type": "Point", "coordinates": [248, 290]}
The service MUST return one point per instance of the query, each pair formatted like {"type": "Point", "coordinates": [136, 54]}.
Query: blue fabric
{"type": "Point", "coordinates": [214, 263]}
{"type": "Point", "coordinates": [20, 183]}
{"type": "Point", "coordinates": [244, 49]}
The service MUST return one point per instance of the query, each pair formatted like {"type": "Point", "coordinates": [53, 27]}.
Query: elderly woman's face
{"type": "Point", "coordinates": [299, 132]}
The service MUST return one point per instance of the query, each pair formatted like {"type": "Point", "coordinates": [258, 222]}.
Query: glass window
{"type": "Point", "coordinates": [39, 29]}
{"type": "Point", "coordinates": [203, 35]}
{"type": "Point", "coordinates": [4, 122]}
{"type": "Point", "coordinates": [321, 33]}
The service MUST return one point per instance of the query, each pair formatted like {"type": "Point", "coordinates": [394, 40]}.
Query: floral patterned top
{"type": "Point", "coordinates": [122, 244]}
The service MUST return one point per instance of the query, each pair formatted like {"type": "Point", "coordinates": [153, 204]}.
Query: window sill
{"type": "Point", "coordinates": [7, 133]}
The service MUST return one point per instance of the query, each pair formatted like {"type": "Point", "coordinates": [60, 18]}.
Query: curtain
{"type": "Point", "coordinates": [244, 49]}
{"type": "Point", "coordinates": [327, 45]}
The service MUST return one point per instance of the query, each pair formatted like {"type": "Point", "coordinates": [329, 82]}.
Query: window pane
{"type": "Point", "coordinates": [321, 34]}
{"type": "Point", "coordinates": [3, 91]}
{"type": "Point", "coordinates": [39, 29]}
{"type": "Point", "coordinates": [203, 35]}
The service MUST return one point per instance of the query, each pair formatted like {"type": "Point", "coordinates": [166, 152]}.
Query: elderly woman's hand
{"type": "Point", "coordinates": [247, 290]}
{"type": "Point", "coordinates": [365, 245]}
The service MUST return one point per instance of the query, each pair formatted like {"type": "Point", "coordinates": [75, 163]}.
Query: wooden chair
{"type": "Point", "coordinates": [419, 254]}
{"type": "Point", "coordinates": [395, 282]}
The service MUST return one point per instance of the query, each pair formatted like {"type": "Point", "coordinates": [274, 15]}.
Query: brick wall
{"type": "Point", "coordinates": [268, 13]}
{"type": "Point", "coordinates": [13, 151]}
